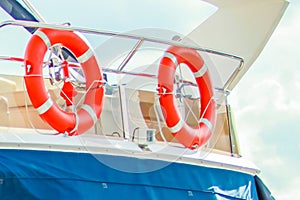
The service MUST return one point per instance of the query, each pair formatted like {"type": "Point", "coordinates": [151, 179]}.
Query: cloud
{"type": "Point", "coordinates": [268, 124]}
{"type": "Point", "coordinates": [267, 108]}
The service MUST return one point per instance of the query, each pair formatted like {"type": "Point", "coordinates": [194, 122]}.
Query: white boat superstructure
{"type": "Point", "coordinates": [127, 110]}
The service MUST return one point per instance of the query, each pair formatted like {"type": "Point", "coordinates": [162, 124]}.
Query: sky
{"type": "Point", "coordinates": [265, 101]}
{"type": "Point", "coordinates": [267, 110]}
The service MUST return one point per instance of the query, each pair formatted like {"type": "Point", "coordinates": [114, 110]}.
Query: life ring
{"type": "Point", "coordinates": [73, 123]}
{"type": "Point", "coordinates": [191, 137]}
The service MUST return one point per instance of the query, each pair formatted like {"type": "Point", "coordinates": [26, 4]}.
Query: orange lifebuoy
{"type": "Point", "coordinates": [191, 137]}
{"type": "Point", "coordinates": [73, 123]}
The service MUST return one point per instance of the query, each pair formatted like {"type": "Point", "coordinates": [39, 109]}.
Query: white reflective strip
{"type": "Point", "coordinates": [76, 123]}
{"type": "Point", "coordinates": [177, 127]}
{"type": "Point", "coordinates": [207, 123]}
{"type": "Point", "coordinates": [45, 106]}
{"type": "Point", "coordinates": [44, 37]}
{"type": "Point", "coordinates": [201, 71]}
{"type": "Point", "coordinates": [91, 112]}
{"type": "Point", "coordinates": [171, 57]}
{"type": "Point", "coordinates": [86, 56]}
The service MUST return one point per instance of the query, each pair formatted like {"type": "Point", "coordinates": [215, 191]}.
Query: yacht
{"type": "Point", "coordinates": [90, 113]}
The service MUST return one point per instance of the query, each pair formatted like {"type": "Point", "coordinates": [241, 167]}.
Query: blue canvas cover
{"type": "Point", "coordinates": [33, 174]}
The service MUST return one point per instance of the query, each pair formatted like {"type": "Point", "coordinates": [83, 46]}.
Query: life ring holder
{"type": "Point", "coordinates": [191, 137]}
{"type": "Point", "coordinates": [72, 123]}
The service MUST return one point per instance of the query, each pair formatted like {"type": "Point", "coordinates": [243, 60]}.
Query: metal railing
{"type": "Point", "coordinates": [140, 39]}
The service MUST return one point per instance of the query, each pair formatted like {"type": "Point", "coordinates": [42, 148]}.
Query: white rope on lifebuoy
{"type": "Point", "coordinates": [60, 120]}
{"type": "Point", "coordinates": [190, 137]}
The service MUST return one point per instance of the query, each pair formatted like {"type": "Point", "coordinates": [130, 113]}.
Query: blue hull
{"type": "Point", "coordinates": [33, 174]}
